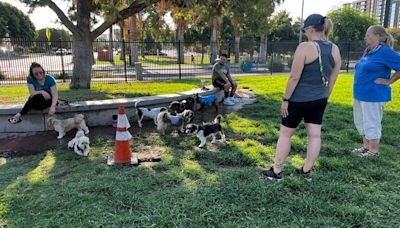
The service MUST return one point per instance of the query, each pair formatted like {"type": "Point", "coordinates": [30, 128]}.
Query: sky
{"type": "Point", "coordinates": [45, 17]}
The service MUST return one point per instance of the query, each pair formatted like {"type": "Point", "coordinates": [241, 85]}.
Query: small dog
{"type": "Point", "coordinates": [63, 126]}
{"type": "Point", "coordinates": [148, 112]}
{"type": "Point", "coordinates": [203, 131]}
{"type": "Point", "coordinates": [80, 144]}
{"type": "Point", "coordinates": [180, 106]}
{"type": "Point", "coordinates": [210, 100]}
{"type": "Point", "coordinates": [166, 120]}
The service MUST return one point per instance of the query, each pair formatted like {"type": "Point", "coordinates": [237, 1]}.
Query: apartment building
{"type": "Point", "coordinates": [387, 12]}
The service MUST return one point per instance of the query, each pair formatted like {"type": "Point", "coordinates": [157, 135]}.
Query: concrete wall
{"type": "Point", "coordinates": [97, 113]}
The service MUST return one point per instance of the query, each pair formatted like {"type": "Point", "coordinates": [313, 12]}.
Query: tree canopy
{"type": "Point", "coordinates": [350, 24]}
{"type": "Point", "coordinates": [79, 22]}
{"type": "Point", "coordinates": [15, 23]}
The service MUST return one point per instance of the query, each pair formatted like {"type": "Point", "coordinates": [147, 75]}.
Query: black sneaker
{"type": "Point", "coordinates": [301, 172]}
{"type": "Point", "coordinates": [306, 175]}
{"type": "Point", "coordinates": [271, 175]}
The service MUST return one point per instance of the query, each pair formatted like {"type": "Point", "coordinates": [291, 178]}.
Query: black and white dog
{"type": "Point", "coordinates": [148, 112]}
{"type": "Point", "coordinates": [206, 130]}
{"type": "Point", "coordinates": [180, 106]}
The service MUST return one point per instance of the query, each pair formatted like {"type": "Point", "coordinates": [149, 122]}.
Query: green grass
{"type": "Point", "coordinates": [218, 186]}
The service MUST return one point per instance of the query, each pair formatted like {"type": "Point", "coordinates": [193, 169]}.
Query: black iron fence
{"type": "Point", "coordinates": [126, 61]}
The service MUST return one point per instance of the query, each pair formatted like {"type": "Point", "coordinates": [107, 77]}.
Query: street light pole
{"type": "Point", "coordinates": [301, 21]}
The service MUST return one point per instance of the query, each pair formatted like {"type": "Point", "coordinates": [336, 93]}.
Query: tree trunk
{"type": "Point", "coordinates": [83, 48]}
{"type": "Point", "coordinates": [237, 42]}
{"type": "Point", "coordinates": [83, 56]}
{"type": "Point", "coordinates": [110, 45]}
{"type": "Point", "coordinates": [213, 54]}
{"type": "Point", "coordinates": [262, 58]}
{"type": "Point", "coordinates": [180, 43]}
{"type": "Point", "coordinates": [134, 39]}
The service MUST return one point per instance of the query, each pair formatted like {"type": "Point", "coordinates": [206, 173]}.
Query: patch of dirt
{"type": "Point", "coordinates": [32, 143]}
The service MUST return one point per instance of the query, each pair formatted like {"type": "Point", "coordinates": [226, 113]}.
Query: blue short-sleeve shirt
{"type": "Point", "coordinates": [370, 67]}
{"type": "Point", "coordinates": [49, 81]}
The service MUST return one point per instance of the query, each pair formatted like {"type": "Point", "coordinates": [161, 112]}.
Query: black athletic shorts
{"type": "Point", "coordinates": [219, 83]}
{"type": "Point", "coordinates": [310, 111]}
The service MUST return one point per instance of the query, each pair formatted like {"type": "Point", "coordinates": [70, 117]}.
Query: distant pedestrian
{"type": "Point", "coordinates": [192, 58]}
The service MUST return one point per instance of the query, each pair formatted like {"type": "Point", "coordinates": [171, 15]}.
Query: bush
{"type": "Point", "coordinates": [60, 75]}
{"type": "Point", "coordinates": [2, 76]}
{"type": "Point", "coordinates": [277, 64]}
{"type": "Point", "coordinates": [38, 50]}
{"type": "Point", "coordinates": [20, 49]}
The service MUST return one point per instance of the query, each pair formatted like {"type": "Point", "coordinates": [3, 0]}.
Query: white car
{"type": "Point", "coordinates": [63, 51]}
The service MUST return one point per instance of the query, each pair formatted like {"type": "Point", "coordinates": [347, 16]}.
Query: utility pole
{"type": "Point", "coordinates": [301, 21]}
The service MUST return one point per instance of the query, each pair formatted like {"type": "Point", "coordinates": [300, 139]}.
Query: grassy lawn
{"type": "Point", "coordinates": [218, 186]}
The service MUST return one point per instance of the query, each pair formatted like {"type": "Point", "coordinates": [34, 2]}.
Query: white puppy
{"type": "Point", "coordinates": [63, 126]}
{"type": "Point", "coordinates": [148, 112]}
{"type": "Point", "coordinates": [208, 129]}
{"type": "Point", "coordinates": [80, 144]}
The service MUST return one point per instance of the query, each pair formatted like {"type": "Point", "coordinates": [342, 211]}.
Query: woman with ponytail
{"type": "Point", "coordinates": [314, 71]}
{"type": "Point", "coordinates": [371, 88]}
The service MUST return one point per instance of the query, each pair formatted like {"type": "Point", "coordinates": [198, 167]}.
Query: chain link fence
{"type": "Point", "coordinates": [119, 61]}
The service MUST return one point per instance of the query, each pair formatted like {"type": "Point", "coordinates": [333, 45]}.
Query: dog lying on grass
{"type": "Point", "coordinates": [80, 144]}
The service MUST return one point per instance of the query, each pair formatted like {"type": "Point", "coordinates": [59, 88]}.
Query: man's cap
{"type": "Point", "coordinates": [313, 19]}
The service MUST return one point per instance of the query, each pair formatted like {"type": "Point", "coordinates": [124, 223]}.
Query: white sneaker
{"type": "Point", "coordinates": [234, 99]}
{"type": "Point", "coordinates": [227, 101]}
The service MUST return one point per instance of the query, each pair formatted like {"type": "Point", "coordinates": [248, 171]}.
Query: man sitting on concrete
{"type": "Point", "coordinates": [223, 80]}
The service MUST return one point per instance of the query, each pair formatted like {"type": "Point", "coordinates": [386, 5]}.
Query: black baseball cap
{"type": "Point", "coordinates": [312, 20]}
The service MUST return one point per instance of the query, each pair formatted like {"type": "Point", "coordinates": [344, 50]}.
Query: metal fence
{"type": "Point", "coordinates": [118, 61]}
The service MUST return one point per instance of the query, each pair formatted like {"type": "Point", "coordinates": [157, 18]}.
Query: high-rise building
{"type": "Point", "coordinates": [387, 12]}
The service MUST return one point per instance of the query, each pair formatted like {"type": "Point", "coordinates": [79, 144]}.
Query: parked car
{"type": "Point", "coordinates": [63, 51]}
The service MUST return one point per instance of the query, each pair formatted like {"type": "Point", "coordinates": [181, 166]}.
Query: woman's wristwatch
{"type": "Point", "coordinates": [285, 99]}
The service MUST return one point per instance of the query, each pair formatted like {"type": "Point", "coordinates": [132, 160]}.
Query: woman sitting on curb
{"type": "Point", "coordinates": [42, 90]}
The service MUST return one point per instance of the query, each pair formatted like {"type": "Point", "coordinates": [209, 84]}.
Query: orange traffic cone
{"type": "Point", "coordinates": [122, 150]}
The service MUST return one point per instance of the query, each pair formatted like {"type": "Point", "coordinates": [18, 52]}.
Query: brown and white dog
{"type": "Point", "coordinates": [63, 126]}
{"type": "Point", "coordinates": [210, 100]}
{"type": "Point", "coordinates": [167, 121]}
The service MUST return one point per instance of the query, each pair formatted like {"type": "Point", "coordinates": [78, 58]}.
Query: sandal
{"type": "Point", "coordinates": [14, 120]}
{"type": "Point", "coordinates": [359, 150]}
{"type": "Point", "coordinates": [368, 154]}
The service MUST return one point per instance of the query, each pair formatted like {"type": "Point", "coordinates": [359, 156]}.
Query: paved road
{"type": "Point", "coordinates": [18, 67]}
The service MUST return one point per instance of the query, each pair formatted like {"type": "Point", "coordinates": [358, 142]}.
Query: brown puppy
{"type": "Point", "coordinates": [63, 126]}
{"type": "Point", "coordinates": [166, 121]}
